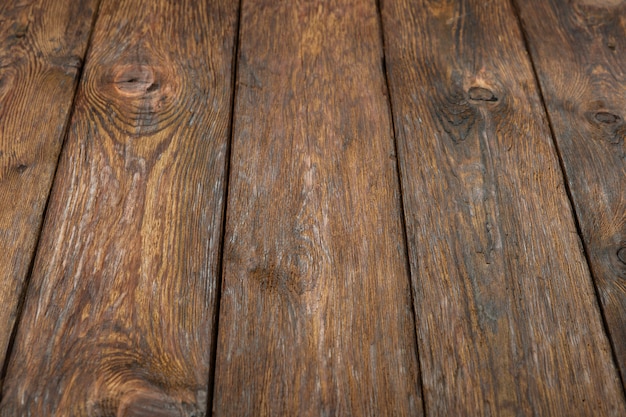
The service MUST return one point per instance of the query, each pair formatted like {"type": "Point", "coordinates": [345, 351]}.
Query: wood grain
{"type": "Point", "coordinates": [316, 315]}
{"type": "Point", "coordinates": [507, 319]}
{"type": "Point", "coordinates": [120, 311]}
{"type": "Point", "coordinates": [579, 52]}
{"type": "Point", "coordinates": [42, 46]}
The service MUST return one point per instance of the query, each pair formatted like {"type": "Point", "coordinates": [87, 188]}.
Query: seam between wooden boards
{"type": "Point", "coordinates": [220, 273]}
{"type": "Point", "coordinates": [401, 191]}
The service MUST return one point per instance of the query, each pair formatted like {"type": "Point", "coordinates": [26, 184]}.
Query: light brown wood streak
{"type": "Point", "coordinates": [316, 313]}
{"type": "Point", "coordinates": [120, 311]}
{"type": "Point", "coordinates": [506, 313]}
{"type": "Point", "coordinates": [42, 45]}
{"type": "Point", "coordinates": [579, 52]}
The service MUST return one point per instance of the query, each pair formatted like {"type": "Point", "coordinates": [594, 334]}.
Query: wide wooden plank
{"type": "Point", "coordinates": [316, 315]}
{"type": "Point", "coordinates": [579, 53]}
{"type": "Point", "coordinates": [507, 319]}
{"type": "Point", "coordinates": [42, 45]}
{"type": "Point", "coordinates": [120, 311]}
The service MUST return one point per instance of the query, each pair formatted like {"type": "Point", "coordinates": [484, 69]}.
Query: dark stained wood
{"type": "Point", "coordinates": [316, 315]}
{"type": "Point", "coordinates": [120, 311]}
{"type": "Point", "coordinates": [579, 49]}
{"type": "Point", "coordinates": [508, 324]}
{"type": "Point", "coordinates": [42, 45]}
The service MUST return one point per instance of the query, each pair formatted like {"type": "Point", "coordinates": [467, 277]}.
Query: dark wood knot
{"type": "Point", "coordinates": [141, 98]}
{"type": "Point", "coordinates": [608, 125]}
{"type": "Point", "coordinates": [481, 94]}
{"type": "Point", "coordinates": [135, 80]}
{"type": "Point", "coordinates": [621, 255]}
{"type": "Point", "coordinates": [607, 118]}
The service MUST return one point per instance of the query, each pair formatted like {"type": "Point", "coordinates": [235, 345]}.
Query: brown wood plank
{"type": "Point", "coordinates": [42, 45]}
{"type": "Point", "coordinates": [316, 312]}
{"type": "Point", "coordinates": [507, 319]}
{"type": "Point", "coordinates": [579, 49]}
{"type": "Point", "coordinates": [121, 308]}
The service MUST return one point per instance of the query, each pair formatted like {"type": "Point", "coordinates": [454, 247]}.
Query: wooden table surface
{"type": "Point", "coordinates": [312, 208]}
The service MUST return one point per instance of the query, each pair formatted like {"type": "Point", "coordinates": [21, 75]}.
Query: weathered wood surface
{"type": "Point", "coordinates": [579, 50]}
{"type": "Point", "coordinates": [42, 45]}
{"type": "Point", "coordinates": [507, 319]}
{"type": "Point", "coordinates": [120, 311]}
{"type": "Point", "coordinates": [316, 316]}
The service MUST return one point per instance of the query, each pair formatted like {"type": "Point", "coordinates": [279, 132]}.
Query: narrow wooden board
{"type": "Point", "coordinates": [316, 316]}
{"type": "Point", "coordinates": [121, 308]}
{"type": "Point", "coordinates": [507, 319]}
{"type": "Point", "coordinates": [42, 46]}
{"type": "Point", "coordinates": [579, 50]}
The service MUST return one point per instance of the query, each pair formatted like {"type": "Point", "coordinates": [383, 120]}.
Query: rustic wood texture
{"type": "Point", "coordinates": [579, 50]}
{"type": "Point", "coordinates": [316, 316]}
{"type": "Point", "coordinates": [42, 45]}
{"type": "Point", "coordinates": [507, 319]}
{"type": "Point", "coordinates": [120, 312]}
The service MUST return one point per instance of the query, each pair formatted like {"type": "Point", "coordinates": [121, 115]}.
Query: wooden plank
{"type": "Point", "coordinates": [316, 315]}
{"type": "Point", "coordinates": [507, 319]}
{"type": "Point", "coordinates": [120, 312]}
{"type": "Point", "coordinates": [42, 45]}
{"type": "Point", "coordinates": [578, 49]}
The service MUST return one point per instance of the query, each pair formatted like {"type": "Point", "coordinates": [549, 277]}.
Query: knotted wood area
{"type": "Point", "coordinates": [312, 207]}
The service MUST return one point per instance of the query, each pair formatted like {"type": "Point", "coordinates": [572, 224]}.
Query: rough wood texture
{"type": "Point", "coordinates": [42, 45]}
{"type": "Point", "coordinates": [120, 311]}
{"type": "Point", "coordinates": [316, 312]}
{"type": "Point", "coordinates": [508, 324]}
{"type": "Point", "coordinates": [579, 49]}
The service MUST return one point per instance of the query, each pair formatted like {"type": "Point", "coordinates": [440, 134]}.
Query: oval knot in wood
{"type": "Point", "coordinates": [607, 118]}
{"type": "Point", "coordinates": [136, 81]}
{"type": "Point", "coordinates": [141, 98]}
{"type": "Point", "coordinates": [481, 94]}
{"type": "Point", "coordinates": [621, 255]}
